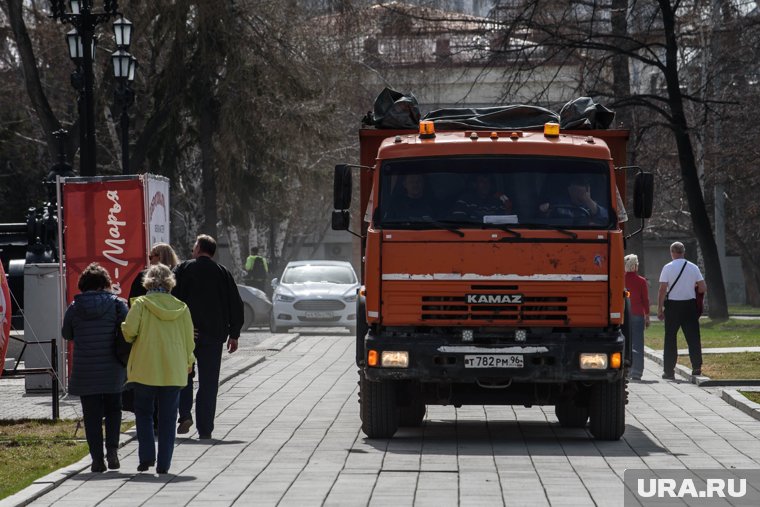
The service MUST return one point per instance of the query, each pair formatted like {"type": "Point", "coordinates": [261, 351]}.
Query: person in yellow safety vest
{"type": "Point", "coordinates": [256, 269]}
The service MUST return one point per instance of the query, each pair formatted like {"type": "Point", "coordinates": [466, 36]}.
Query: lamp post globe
{"type": "Point", "coordinates": [122, 31]}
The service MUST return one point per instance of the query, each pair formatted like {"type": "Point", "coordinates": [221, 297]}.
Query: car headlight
{"type": "Point", "coordinates": [350, 298]}
{"type": "Point", "coordinates": [284, 298]}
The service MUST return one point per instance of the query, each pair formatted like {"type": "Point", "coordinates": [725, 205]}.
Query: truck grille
{"type": "Point", "coordinates": [534, 308]}
{"type": "Point", "coordinates": [319, 305]}
{"type": "Point", "coordinates": [543, 303]}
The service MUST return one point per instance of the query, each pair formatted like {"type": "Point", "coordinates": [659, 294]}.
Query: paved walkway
{"type": "Point", "coordinates": [288, 433]}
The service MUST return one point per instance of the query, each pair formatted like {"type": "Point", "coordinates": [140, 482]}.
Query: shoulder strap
{"type": "Point", "coordinates": [685, 262]}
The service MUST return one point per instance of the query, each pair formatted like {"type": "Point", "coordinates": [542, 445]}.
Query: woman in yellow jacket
{"type": "Point", "coordinates": [161, 332]}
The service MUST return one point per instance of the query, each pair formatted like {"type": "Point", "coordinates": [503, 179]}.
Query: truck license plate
{"type": "Point", "coordinates": [493, 361]}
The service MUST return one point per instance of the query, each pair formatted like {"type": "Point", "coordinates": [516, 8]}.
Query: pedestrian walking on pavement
{"type": "Point", "coordinates": [161, 330]}
{"type": "Point", "coordinates": [97, 376]}
{"type": "Point", "coordinates": [677, 306]}
{"type": "Point", "coordinates": [160, 253]}
{"type": "Point", "coordinates": [637, 286]}
{"type": "Point", "coordinates": [210, 292]}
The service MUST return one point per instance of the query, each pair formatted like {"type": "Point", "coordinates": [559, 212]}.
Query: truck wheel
{"type": "Point", "coordinates": [607, 410]}
{"type": "Point", "coordinates": [379, 413]}
{"type": "Point", "coordinates": [571, 415]}
{"type": "Point", "coordinates": [413, 412]}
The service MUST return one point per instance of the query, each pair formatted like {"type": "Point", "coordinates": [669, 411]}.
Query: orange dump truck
{"type": "Point", "coordinates": [492, 265]}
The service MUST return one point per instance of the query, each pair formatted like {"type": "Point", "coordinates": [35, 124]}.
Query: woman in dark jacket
{"type": "Point", "coordinates": [97, 376]}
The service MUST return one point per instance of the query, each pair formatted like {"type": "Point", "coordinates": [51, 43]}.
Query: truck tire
{"type": "Point", "coordinates": [379, 412]}
{"type": "Point", "coordinates": [607, 410]}
{"type": "Point", "coordinates": [571, 415]}
{"type": "Point", "coordinates": [412, 413]}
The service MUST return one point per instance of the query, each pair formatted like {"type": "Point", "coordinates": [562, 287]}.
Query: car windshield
{"type": "Point", "coordinates": [531, 191]}
{"type": "Point", "coordinates": [316, 273]}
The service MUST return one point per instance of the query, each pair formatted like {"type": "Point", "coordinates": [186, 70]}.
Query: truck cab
{"type": "Point", "coordinates": [492, 265]}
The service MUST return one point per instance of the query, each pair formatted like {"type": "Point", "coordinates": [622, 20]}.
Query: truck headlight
{"type": "Point", "coordinates": [593, 361]}
{"type": "Point", "coordinates": [395, 359]}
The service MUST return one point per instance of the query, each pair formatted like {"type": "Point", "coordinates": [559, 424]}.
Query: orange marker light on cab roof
{"type": "Point", "coordinates": [551, 129]}
{"type": "Point", "coordinates": [427, 130]}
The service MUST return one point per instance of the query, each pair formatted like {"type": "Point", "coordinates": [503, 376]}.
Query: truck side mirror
{"type": "Point", "coordinates": [342, 188]}
{"type": "Point", "coordinates": [643, 195]}
{"type": "Point", "coordinates": [341, 219]}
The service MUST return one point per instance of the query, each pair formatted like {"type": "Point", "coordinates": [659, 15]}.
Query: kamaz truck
{"type": "Point", "coordinates": [492, 271]}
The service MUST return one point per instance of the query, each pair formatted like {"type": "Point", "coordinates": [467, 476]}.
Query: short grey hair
{"type": "Point", "coordinates": [631, 262]}
{"type": "Point", "coordinates": [159, 276]}
{"type": "Point", "coordinates": [677, 247]}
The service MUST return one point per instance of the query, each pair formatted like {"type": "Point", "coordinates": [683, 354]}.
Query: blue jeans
{"type": "Point", "coordinates": [168, 401]}
{"type": "Point", "coordinates": [637, 342]}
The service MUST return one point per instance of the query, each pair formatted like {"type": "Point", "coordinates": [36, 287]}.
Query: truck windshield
{"type": "Point", "coordinates": [494, 192]}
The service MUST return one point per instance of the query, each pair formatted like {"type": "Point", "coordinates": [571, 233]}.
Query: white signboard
{"type": "Point", "coordinates": [157, 209]}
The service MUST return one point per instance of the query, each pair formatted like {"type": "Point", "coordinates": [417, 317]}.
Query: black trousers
{"type": "Point", "coordinates": [96, 407]}
{"type": "Point", "coordinates": [208, 356]}
{"type": "Point", "coordinates": [683, 315]}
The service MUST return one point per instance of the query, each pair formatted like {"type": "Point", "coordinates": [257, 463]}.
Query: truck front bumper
{"type": "Point", "coordinates": [553, 359]}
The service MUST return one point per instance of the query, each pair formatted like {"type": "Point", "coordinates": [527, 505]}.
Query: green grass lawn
{"type": "Point", "coordinates": [731, 333]}
{"type": "Point", "coordinates": [744, 365]}
{"type": "Point", "coordinates": [752, 395]}
{"type": "Point", "coordinates": [30, 449]}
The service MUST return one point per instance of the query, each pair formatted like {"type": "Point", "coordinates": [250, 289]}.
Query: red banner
{"type": "Point", "coordinates": [5, 317]}
{"type": "Point", "coordinates": [104, 222]}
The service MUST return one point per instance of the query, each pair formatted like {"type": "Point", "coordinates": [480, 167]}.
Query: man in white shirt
{"type": "Point", "coordinates": [677, 306]}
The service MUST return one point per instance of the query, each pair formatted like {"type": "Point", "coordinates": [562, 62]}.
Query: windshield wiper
{"type": "Point", "coordinates": [553, 228]}
{"type": "Point", "coordinates": [444, 225]}
{"type": "Point", "coordinates": [506, 228]}
{"type": "Point", "coordinates": [424, 222]}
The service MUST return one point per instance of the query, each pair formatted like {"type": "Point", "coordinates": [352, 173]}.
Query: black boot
{"type": "Point", "coordinates": [112, 457]}
{"type": "Point", "coordinates": [98, 466]}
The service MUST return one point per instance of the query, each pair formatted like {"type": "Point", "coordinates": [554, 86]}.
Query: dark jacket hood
{"type": "Point", "coordinates": [92, 305]}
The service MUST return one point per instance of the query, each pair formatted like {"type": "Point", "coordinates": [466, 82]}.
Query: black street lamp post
{"type": "Point", "coordinates": [124, 68]}
{"type": "Point", "coordinates": [84, 19]}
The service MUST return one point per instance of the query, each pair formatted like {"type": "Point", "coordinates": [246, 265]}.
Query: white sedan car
{"type": "Point", "coordinates": [314, 294]}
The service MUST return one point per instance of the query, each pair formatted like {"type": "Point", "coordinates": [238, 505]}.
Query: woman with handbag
{"type": "Point", "coordinates": [97, 376]}
{"type": "Point", "coordinates": [160, 329]}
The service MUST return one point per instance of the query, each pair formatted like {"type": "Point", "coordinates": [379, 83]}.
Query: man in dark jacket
{"type": "Point", "coordinates": [210, 292]}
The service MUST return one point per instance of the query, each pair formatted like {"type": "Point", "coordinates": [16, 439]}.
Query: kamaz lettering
{"type": "Point", "coordinates": [494, 299]}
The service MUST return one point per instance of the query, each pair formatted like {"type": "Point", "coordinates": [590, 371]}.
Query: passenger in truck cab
{"type": "Point", "coordinates": [411, 200]}
{"type": "Point", "coordinates": [481, 200]}
{"type": "Point", "coordinates": [575, 203]}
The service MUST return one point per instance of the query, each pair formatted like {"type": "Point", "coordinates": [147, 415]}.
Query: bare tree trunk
{"type": "Point", "coordinates": [701, 221]}
{"type": "Point", "coordinates": [47, 118]}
